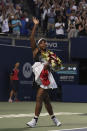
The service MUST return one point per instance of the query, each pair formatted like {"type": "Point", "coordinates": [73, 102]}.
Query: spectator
{"type": "Point", "coordinates": [72, 31]}
{"type": "Point", "coordinates": [16, 23]}
{"type": "Point", "coordinates": [51, 18]}
{"type": "Point", "coordinates": [60, 28]}
{"type": "Point", "coordinates": [10, 10]}
{"type": "Point", "coordinates": [24, 22]}
{"type": "Point", "coordinates": [0, 20]}
{"type": "Point", "coordinates": [44, 9]}
{"type": "Point", "coordinates": [37, 4]}
{"type": "Point", "coordinates": [5, 25]}
{"type": "Point", "coordinates": [18, 10]}
{"type": "Point", "coordinates": [10, 18]}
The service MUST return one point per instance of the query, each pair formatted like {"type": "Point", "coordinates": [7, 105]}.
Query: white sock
{"type": "Point", "coordinates": [36, 118]}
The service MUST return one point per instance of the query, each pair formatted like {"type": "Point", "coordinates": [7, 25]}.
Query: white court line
{"type": "Point", "coordinates": [32, 114]}
{"type": "Point", "coordinates": [70, 129]}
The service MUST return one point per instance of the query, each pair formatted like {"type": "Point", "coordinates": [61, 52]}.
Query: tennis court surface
{"type": "Point", "coordinates": [14, 116]}
{"type": "Point", "coordinates": [74, 129]}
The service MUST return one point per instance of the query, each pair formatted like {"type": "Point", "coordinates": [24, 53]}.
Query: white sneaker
{"type": "Point", "coordinates": [32, 123]}
{"type": "Point", "coordinates": [10, 100]}
{"type": "Point", "coordinates": [56, 122]}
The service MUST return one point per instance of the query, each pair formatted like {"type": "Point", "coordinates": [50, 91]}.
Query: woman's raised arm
{"type": "Point", "coordinates": [32, 39]}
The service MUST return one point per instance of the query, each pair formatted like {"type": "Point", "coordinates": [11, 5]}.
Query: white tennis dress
{"type": "Point", "coordinates": [37, 69]}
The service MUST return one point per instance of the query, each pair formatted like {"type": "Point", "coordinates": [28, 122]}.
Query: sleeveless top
{"type": "Point", "coordinates": [38, 57]}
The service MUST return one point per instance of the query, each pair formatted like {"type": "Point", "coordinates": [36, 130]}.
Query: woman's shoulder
{"type": "Point", "coordinates": [35, 51]}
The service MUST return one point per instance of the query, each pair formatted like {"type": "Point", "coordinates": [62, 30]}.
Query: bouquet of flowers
{"type": "Point", "coordinates": [53, 61]}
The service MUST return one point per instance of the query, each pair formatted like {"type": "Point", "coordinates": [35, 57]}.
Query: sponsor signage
{"type": "Point", "coordinates": [68, 74]}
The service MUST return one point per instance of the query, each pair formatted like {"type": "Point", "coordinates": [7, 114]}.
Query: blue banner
{"type": "Point", "coordinates": [79, 47]}
{"type": "Point", "coordinates": [74, 93]}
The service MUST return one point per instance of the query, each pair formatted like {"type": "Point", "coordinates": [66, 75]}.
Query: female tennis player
{"type": "Point", "coordinates": [43, 78]}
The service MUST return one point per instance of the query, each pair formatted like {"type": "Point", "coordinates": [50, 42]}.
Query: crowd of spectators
{"type": "Point", "coordinates": [61, 18]}
{"type": "Point", "coordinates": [57, 18]}
{"type": "Point", "coordinates": [13, 18]}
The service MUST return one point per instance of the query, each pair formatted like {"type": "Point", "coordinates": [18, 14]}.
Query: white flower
{"type": "Point", "coordinates": [48, 58]}
{"type": "Point", "coordinates": [57, 58]}
{"type": "Point", "coordinates": [45, 54]}
{"type": "Point", "coordinates": [53, 64]}
{"type": "Point", "coordinates": [51, 53]}
{"type": "Point", "coordinates": [52, 61]}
